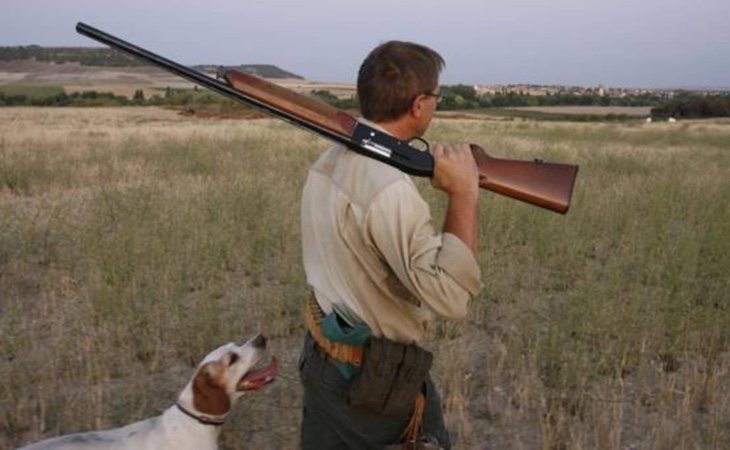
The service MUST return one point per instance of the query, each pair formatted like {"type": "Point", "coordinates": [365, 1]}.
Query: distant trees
{"type": "Point", "coordinates": [138, 96]}
{"type": "Point", "coordinates": [686, 105]}
{"type": "Point", "coordinates": [28, 96]}
{"type": "Point", "coordinates": [455, 97]}
{"type": "Point", "coordinates": [694, 106]}
{"type": "Point", "coordinates": [89, 98]}
{"type": "Point", "coordinates": [461, 96]}
{"type": "Point", "coordinates": [458, 96]}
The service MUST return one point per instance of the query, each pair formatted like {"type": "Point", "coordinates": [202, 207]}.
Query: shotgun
{"type": "Point", "coordinates": [547, 185]}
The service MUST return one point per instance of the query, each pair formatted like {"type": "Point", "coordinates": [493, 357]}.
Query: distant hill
{"type": "Point", "coordinates": [260, 70]}
{"type": "Point", "coordinates": [107, 57]}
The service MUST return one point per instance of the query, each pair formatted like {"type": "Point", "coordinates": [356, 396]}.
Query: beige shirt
{"type": "Point", "coordinates": [371, 252]}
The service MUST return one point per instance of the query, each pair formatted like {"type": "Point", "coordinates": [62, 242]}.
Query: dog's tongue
{"type": "Point", "coordinates": [258, 378]}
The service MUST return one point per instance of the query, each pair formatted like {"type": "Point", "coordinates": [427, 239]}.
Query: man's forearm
{"type": "Point", "coordinates": [461, 219]}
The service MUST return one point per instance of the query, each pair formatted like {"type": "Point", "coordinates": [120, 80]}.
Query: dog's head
{"type": "Point", "coordinates": [224, 375]}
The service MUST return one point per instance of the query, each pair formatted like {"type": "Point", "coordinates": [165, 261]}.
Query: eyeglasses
{"type": "Point", "coordinates": [437, 95]}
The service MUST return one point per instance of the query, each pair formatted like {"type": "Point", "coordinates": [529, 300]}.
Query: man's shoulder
{"type": "Point", "coordinates": [358, 176]}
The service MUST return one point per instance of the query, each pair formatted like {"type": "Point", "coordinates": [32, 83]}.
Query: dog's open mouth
{"type": "Point", "coordinates": [258, 378]}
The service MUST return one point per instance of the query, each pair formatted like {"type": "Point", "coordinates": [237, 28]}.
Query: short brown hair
{"type": "Point", "coordinates": [391, 77]}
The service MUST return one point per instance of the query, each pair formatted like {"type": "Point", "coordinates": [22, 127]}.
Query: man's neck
{"type": "Point", "coordinates": [400, 129]}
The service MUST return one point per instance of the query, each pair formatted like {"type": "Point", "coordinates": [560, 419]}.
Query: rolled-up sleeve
{"type": "Point", "coordinates": [458, 260]}
{"type": "Point", "coordinates": [438, 269]}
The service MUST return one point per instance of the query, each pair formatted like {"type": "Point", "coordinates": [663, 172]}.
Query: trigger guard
{"type": "Point", "coordinates": [420, 139]}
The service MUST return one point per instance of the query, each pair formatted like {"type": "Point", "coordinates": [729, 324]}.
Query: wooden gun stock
{"type": "Point", "coordinates": [547, 185]}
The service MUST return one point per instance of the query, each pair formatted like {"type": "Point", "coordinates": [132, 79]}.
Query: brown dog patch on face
{"type": "Point", "coordinates": [209, 390]}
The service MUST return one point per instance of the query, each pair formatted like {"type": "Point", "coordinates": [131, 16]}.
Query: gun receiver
{"type": "Point", "coordinates": [548, 185]}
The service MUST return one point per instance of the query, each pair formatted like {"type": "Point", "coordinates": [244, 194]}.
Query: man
{"type": "Point", "coordinates": [379, 272]}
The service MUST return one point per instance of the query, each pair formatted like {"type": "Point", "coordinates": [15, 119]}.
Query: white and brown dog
{"type": "Point", "coordinates": [194, 421]}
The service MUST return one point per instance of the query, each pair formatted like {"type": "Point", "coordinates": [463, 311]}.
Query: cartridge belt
{"type": "Point", "coordinates": [337, 351]}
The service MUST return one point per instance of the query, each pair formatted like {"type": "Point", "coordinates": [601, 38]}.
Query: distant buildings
{"type": "Point", "coordinates": [600, 90]}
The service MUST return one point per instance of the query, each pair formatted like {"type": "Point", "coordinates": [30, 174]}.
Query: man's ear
{"type": "Point", "coordinates": [416, 108]}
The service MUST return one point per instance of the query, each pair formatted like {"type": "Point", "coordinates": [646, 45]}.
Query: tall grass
{"type": "Point", "coordinates": [610, 325]}
{"type": "Point", "coordinates": [133, 241]}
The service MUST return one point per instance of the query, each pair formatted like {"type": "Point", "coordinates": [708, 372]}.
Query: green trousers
{"type": "Point", "coordinates": [328, 423]}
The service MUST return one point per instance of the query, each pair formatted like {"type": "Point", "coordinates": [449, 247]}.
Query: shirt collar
{"type": "Point", "coordinates": [371, 124]}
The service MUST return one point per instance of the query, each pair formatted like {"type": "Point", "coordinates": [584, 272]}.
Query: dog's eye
{"type": "Point", "coordinates": [234, 358]}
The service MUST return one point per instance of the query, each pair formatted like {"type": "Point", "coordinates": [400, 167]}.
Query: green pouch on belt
{"type": "Point", "coordinates": [336, 329]}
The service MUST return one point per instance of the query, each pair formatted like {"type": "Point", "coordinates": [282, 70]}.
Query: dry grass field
{"type": "Point", "coordinates": [134, 240]}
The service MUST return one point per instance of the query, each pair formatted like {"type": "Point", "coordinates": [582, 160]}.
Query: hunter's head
{"type": "Point", "coordinates": [396, 77]}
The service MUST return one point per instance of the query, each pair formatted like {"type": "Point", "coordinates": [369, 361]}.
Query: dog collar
{"type": "Point", "coordinates": [201, 419]}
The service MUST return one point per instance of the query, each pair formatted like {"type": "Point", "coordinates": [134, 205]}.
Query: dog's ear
{"type": "Point", "coordinates": [209, 389]}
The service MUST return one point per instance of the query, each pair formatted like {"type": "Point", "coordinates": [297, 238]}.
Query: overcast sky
{"type": "Point", "coordinates": [631, 43]}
